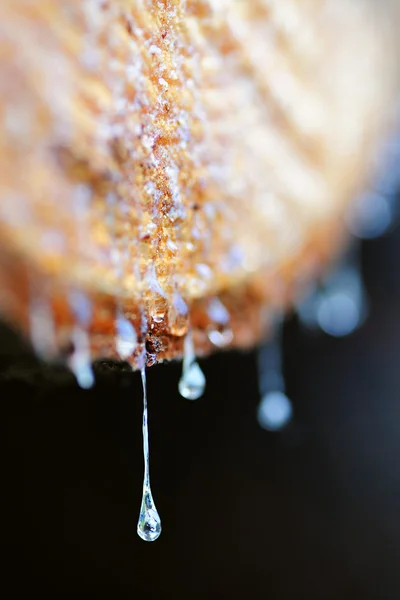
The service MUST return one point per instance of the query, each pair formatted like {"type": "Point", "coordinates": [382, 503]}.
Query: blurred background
{"type": "Point", "coordinates": [311, 511]}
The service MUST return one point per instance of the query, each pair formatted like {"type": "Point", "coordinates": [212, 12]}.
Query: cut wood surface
{"type": "Point", "coordinates": [181, 164]}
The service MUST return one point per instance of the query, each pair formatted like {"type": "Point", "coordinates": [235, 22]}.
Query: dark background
{"type": "Point", "coordinates": [310, 512]}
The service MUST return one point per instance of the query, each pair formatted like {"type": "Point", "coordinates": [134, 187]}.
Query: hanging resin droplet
{"type": "Point", "coordinates": [149, 523]}
{"type": "Point", "coordinates": [158, 304]}
{"type": "Point", "coordinates": [193, 382]}
{"type": "Point", "coordinates": [275, 409]}
{"type": "Point", "coordinates": [220, 338]}
{"type": "Point", "coordinates": [126, 339]}
{"type": "Point", "coordinates": [370, 215]}
{"type": "Point", "coordinates": [374, 212]}
{"type": "Point", "coordinates": [219, 333]}
{"type": "Point", "coordinates": [79, 361]}
{"type": "Point", "coordinates": [81, 306]}
{"type": "Point", "coordinates": [158, 308]}
{"type": "Point", "coordinates": [42, 328]}
{"type": "Point", "coordinates": [178, 315]}
{"type": "Point", "coordinates": [340, 306]}
{"type": "Point", "coordinates": [217, 312]}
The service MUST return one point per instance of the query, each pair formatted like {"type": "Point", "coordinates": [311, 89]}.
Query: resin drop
{"type": "Point", "coordinates": [220, 337]}
{"type": "Point", "coordinates": [217, 312]}
{"type": "Point", "coordinates": [178, 315]}
{"type": "Point", "coordinates": [79, 361]}
{"type": "Point", "coordinates": [371, 215]}
{"type": "Point", "coordinates": [193, 382]}
{"type": "Point", "coordinates": [340, 306]}
{"type": "Point", "coordinates": [219, 333]}
{"type": "Point", "coordinates": [42, 328]}
{"type": "Point", "coordinates": [149, 523]}
{"type": "Point", "coordinates": [158, 308]}
{"type": "Point", "coordinates": [158, 304]}
{"type": "Point", "coordinates": [126, 339]}
{"type": "Point", "coordinates": [81, 306]}
{"type": "Point", "coordinates": [275, 409]}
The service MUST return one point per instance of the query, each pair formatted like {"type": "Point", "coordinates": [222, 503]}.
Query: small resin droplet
{"type": "Point", "coordinates": [79, 361]}
{"type": "Point", "coordinates": [371, 215]}
{"type": "Point", "coordinates": [340, 306]}
{"type": "Point", "coordinates": [343, 305]}
{"type": "Point", "coordinates": [338, 314]}
{"type": "Point", "coordinates": [158, 304]}
{"type": "Point", "coordinates": [193, 382]}
{"type": "Point", "coordinates": [158, 308]}
{"type": "Point", "coordinates": [217, 312]}
{"type": "Point", "coordinates": [126, 339]}
{"type": "Point", "coordinates": [220, 338]}
{"type": "Point", "coordinates": [42, 328]}
{"type": "Point", "coordinates": [275, 409]}
{"type": "Point", "coordinates": [178, 315]}
{"type": "Point", "coordinates": [149, 523]}
{"type": "Point", "coordinates": [81, 307]}
{"type": "Point", "coordinates": [219, 333]}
